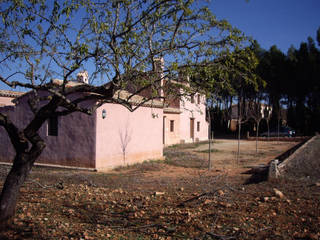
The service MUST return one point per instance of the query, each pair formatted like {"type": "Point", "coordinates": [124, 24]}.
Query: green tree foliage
{"type": "Point", "coordinates": [293, 83]}
{"type": "Point", "coordinates": [119, 42]}
{"type": "Point", "coordinates": [318, 36]}
{"type": "Point", "coordinates": [304, 91]}
{"type": "Point", "coordinates": [232, 77]}
{"type": "Point", "coordinates": [117, 39]}
{"type": "Point", "coordinates": [230, 73]}
{"type": "Point", "coordinates": [273, 69]}
{"type": "Point", "coordinates": [284, 81]}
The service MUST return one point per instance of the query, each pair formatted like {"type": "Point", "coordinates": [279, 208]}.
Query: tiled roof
{"type": "Point", "coordinates": [136, 99]}
{"type": "Point", "coordinates": [120, 95]}
{"type": "Point", "coordinates": [7, 93]}
{"type": "Point", "coordinates": [69, 84]}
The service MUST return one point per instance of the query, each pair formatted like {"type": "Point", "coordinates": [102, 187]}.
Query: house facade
{"type": "Point", "coordinates": [112, 136]}
{"type": "Point", "coordinates": [185, 122]}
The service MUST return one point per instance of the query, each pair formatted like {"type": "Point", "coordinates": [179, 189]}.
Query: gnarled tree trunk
{"type": "Point", "coordinates": [20, 170]}
{"type": "Point", "coordinates": [25, 157]}
{"type": "Point", "coordinates": [11, 187]}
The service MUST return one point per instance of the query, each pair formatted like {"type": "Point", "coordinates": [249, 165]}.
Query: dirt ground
{"type": "Point", "coordinates": [173, 199]}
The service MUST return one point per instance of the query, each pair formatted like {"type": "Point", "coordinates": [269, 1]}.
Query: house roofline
{"type": "Point", "coordinates": [120, 94]}
{"type": "Point", "coordinates": [172, 110]}
{"type": "Point", "coordinates": [8, 93]}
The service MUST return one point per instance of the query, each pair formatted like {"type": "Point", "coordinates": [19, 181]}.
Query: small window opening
{"type": "Point", "coordinates": [53, 126]}
{"type": "Point", "coordinates": [198, 98]}
{"type": "Point", "coordinates": [171, 125]}
{"type": "Point", "coordinates": [198, 126]}
{"type": "Point", "coordinates": [192, 98]}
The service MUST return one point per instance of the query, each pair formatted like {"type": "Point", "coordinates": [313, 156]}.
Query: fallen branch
{"type": "Point", "coordinates": [238, 191]}
{"type": "Point", "coordinates": [57, 185]}
{"type": "Point", "coordinates": [215, 236]}
{"type": "Point", "coordinates": [263, 229]}
{"type": "Point", "coordinates": [90, 183]}
{"type": "Point", "coordinates": [198, 197]}
{"type": "Point", "coordinates": [136, 227]}
{"type": "Point", "coordinates": [222, 237]}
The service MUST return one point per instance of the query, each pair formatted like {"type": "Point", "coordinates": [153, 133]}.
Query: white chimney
{"type": "Point", "coordinates": [159, 68]}
{"type": "Point", "coordinates": [83, 77]}
{"type": "Point", "coordinates": [159, 64]}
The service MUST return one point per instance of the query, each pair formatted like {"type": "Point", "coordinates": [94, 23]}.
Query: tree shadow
{"type": "Point", "coordinates": [258, 174]}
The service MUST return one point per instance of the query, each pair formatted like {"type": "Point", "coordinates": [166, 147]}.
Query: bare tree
{"type": "Point", "coordinates": [125, 138]}
{"type": "Point", "coordinates": [233, 74]}
{"type": "Point", "coordinates": [267, 117]}
{"type": "Point", "coordinates": [241, 119]}
{"type": "Point", "coordinates": [118, 42]}
{"type": "Point", "coordinates": [256, 112]}
{"type": "Point", "coordinates": [280, 116]}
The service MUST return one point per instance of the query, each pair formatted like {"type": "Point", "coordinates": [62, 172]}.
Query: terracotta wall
{"type": "Point", "coordinates": [125, 137]}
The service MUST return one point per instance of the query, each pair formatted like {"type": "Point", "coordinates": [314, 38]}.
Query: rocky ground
{"type": "Point", "coordinates": [175, 199]}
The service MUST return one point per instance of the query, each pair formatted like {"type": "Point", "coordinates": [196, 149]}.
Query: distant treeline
{"type": "Point", "coordinates": [291, 83]}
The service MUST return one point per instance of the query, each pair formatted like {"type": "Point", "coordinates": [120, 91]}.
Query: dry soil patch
{"type": "Point", "coordinates": [164, 200]}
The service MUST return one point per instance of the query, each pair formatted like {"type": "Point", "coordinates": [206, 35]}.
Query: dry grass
{"type": "Point", "coordinates": [224, 154]}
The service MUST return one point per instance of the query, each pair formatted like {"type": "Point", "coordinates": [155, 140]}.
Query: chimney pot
{"type": "Point", "coordinates": [83, 77]}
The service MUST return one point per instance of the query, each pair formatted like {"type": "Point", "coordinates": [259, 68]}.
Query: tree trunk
{"type": "Point", "coordinates": [25, 156]}
{"type": "Point", "coordinates": [239, 136]}
{"type": "Point", "coordinates": [257, 136]}
{"type": "Point", "coordinates": [209, 132]}
{"type": "Point", "coordinates": [278, 130]}
{"type": "Point", "coordinates": [20, 170]}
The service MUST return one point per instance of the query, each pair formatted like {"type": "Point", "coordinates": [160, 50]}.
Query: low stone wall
{"type": "Point", "coordinates": [281, 139]}
{"type": "Point", "coordinates": [302, 163]}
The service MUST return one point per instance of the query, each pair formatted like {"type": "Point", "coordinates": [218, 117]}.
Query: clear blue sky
{"type": "Point", "coordinates": [272, 22]}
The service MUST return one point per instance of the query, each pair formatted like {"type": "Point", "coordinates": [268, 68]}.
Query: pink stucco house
{"type": "Point", "coordinates": [185, 120]}
{"type": "Point", "coordinates": [112, 136]}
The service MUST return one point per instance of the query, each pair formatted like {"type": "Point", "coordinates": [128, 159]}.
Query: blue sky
{"type": "Point", "coordinates": [272, 22]}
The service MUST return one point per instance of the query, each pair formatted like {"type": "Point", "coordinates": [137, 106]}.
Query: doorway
{"type": "Point", "coordinates": [192, 128]}
{"type": "Point", "coordinates": [164, 131]}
